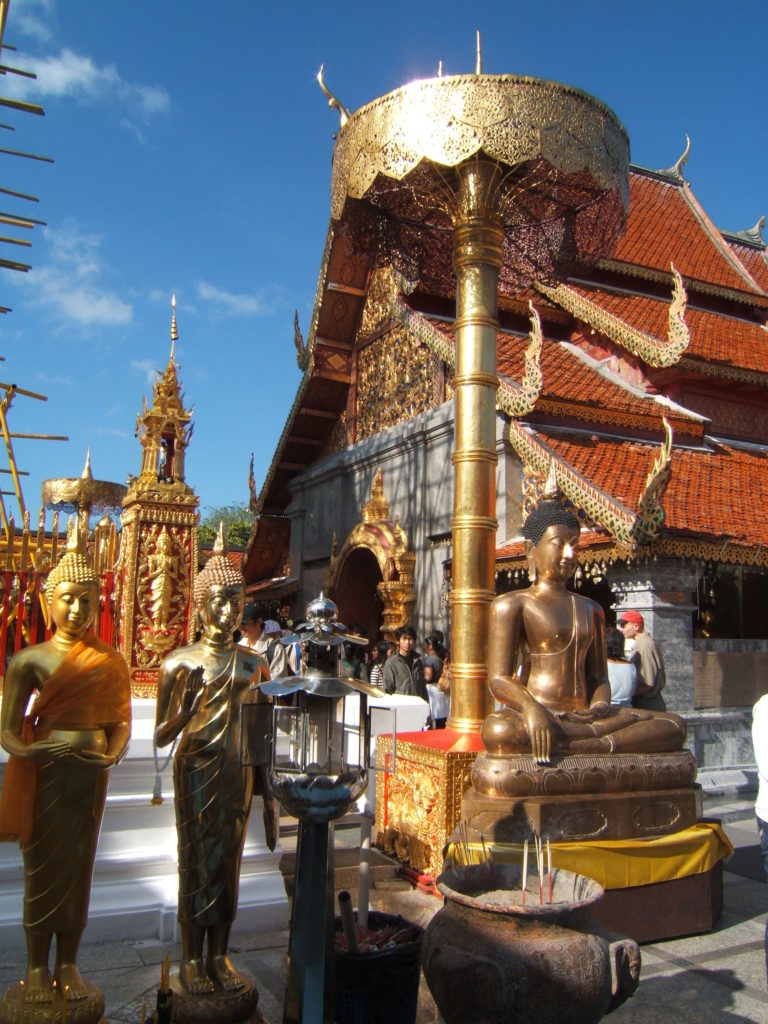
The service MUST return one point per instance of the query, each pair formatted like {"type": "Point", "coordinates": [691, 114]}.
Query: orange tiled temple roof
{"type": "Point", "coordinates": [574, 387]}
{"type": "Point", "coordinates": [714, 337]}
{"type": "Point", "coordinates": [667, 225]}
{"type": "Point", "coordinates": [711, 493]}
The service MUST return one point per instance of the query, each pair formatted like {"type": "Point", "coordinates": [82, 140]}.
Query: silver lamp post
{"type": "Point", "coordinates": [319, 768]}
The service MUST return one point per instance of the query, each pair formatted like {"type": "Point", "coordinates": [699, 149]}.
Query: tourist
{"type": "Point", "coordinates": [439, 702]}
{"type": "Point", "coordinates": [384, 649]}
{"type": "Point", "coordinates": [760, 746]}
{"type": "Point", "coordinates": [263, 635]}
{"type": "Point", "coordinates": [404, 673]}
{"type": "Point", "coordinates": [622, 674]}
{"type": "Point", "coordinates": [645, 654]}
{"type": "Point", "coordinates": [353, 661]}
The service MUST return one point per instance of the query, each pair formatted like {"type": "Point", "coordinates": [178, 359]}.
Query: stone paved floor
{"type": "Point", "coordinates": [719, 977]}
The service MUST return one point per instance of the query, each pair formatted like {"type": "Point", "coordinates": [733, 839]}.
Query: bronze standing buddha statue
{"type": "Point", "coordinates": [201, 689]}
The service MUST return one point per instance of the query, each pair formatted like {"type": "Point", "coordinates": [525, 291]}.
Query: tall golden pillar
{"type": "Point", "coordinates": [519, 180]}
{"type": "Point", "coordinates": [478, 242]}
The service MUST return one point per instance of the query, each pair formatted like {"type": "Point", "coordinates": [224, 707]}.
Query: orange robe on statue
{"type": "Point", "coordinates": [90, 689]}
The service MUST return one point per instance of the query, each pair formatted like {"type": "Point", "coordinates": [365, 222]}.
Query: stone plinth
{"type": "Point", "coordinates": [582, 797]}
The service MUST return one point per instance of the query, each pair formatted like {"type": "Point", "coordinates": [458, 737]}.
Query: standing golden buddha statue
{"type": "Point", "coordinates": [55, 784]}
{"type": "Point", "coordinates": [201, 689]}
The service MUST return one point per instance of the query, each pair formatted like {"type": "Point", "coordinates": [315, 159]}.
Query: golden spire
{"type": "Point", "coordinates": [174, 331]}
{"type": "Point", "coordinates": [87, 474]}
{"type": "Point", "coordinates": [479, 66]}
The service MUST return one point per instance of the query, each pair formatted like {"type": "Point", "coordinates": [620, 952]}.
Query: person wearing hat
{"type": "Point", "coordinates": [263, 636]}
{"type": "Point", "coordinates": [647, 657]}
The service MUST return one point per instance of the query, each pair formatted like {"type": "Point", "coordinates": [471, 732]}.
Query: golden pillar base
{"type": "Point", "coordinates": [419, 804]}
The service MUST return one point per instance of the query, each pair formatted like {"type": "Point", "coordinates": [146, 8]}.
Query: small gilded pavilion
{"type": "Point", "coordinates": [644, 377]}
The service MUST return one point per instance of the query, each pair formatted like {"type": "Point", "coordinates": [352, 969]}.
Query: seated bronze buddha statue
{"type": "Point", "coordinates": [547, 662]}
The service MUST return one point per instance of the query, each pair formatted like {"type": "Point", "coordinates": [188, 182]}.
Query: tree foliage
{"type": "Point", "coordinates": [237, 518]}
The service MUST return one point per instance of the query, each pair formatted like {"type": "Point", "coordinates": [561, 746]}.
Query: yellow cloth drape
{"type": "Point", "coordinates": [623, 863]}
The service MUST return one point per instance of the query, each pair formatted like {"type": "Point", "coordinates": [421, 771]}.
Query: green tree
{"type": "Point", "coordinates": [237, 518]}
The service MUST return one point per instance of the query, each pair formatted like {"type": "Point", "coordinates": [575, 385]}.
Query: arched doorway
{"type": "Point", "coordinates": [371, 578]}
{"type": "Point", "coordinates": [356, 592]}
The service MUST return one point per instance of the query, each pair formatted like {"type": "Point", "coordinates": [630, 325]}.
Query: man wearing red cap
{"type": "Point", "coordinates": [647, 657]}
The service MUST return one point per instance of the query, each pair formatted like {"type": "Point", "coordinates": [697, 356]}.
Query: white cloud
{"type": "Point", "coordinates": [69, 285]}
{"type": "Point", "coordinates": [231, 304]}
{"type": "Point", "coordinates": [32, 18]}
{"type": "Point", "coordinates": [74, 76]}
{"type": "Point", "coordinates": [147, 368]}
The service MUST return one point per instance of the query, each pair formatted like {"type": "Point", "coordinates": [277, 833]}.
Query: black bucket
{"type": "Point", "coordinates": [380, 987]}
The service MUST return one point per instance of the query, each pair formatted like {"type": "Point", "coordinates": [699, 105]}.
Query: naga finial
{"type": "Point", "coordinates": [332, 101]}
{"type": "Point", "coordinates": [302, 352]}
{"type": "Point", "coordinates": [684, 158]}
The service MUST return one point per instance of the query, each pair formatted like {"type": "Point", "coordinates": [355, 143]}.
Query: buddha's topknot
{"type": "Point", "coordinates": [73, 566]}
{"type": "Point", "coordinates": [218, 571]}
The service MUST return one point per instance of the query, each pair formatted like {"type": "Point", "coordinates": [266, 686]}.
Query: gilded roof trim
{"type": "Point", "coordinates": [728, 372]}
{"type": "Point", "coordinates": [597, 505]}
{"type": "Point", "coordinates": [651, 350]}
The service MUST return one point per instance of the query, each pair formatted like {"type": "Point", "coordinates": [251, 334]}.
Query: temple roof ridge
{"type": "Point", "coordinates": [717, 238]}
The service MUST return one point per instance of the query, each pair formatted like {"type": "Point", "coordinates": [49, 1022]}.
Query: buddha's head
{"type": "Point", "coordinates": [72, 589]}
{"type": "Point", "coordinates": [551, 535]}
{"type": "Point", "coordinates": [219, 593]}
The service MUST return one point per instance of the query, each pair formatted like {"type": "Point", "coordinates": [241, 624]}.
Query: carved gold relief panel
{"type": "Point", "coordinates": [394, 381]}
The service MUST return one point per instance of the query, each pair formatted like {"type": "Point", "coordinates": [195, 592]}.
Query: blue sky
{"type": "Point", "coordinates": [192, 152]}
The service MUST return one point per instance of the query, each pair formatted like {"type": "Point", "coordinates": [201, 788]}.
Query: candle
{"type": "Point", "coordinates": [53, 1003]}
{"type": "Point", "coordinates": [365, 872]}
{"type": "Point", "coordinates": [525, 868]}
{"type": "Point", "coordinates": [144, 1012]}
{"type": "Point", "coordinates": [549, 868]}
{"type": "Point", "coordinates": [348, 921]}
{"type": "Point", "coordinates": [64, 1004]}
{"type": "Point", "coordinates": [540, 866]}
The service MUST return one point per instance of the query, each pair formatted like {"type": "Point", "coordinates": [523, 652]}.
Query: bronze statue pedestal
{"type": "Point", "coordinates": [582, 797]}
{"type": "Point", "coordinates": [227, 1007]}
{"type": "Point", "coordinates": [14, 1008]}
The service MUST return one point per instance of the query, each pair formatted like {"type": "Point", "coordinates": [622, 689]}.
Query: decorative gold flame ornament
{"type": "Point", "coordinates": [519, 179]}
